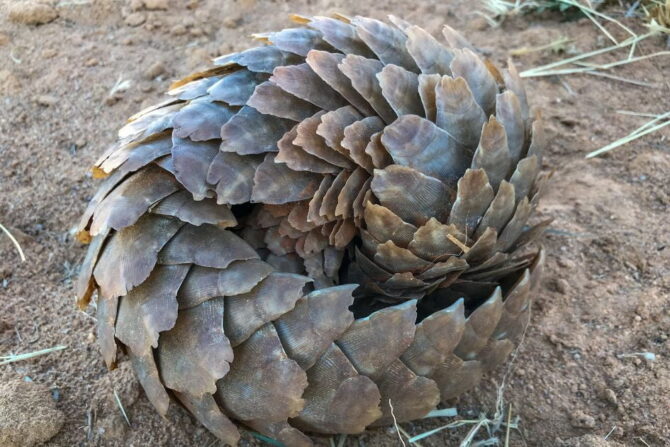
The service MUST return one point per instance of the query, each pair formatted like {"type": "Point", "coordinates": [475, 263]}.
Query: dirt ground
{"type": "Point", "coordinates": [605, 296]}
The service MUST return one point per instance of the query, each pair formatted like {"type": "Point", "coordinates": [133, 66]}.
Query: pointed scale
{"type": "Point", "coordinates": [205, 410]}
{"type": "Point", "coordinates": [263, 383]}
{"type": "Point", "coordinates": [191, 163]}
{"type": "Point", "coordinates": [363, 75]}
{"type": "Point", "coordinates": [435, 338]}
{"type": "Point", "coordinates": [105, 319]}
{"type": "Point", "coordinates": [513, 82]}
{"type": "Point", "coordinates": [316, 321]}
{"type": "Point", "coordinates": [384, 225]}
{"type": "Point", "coordinates": [299, 160]}
{"type": "Point", "coordinates": [251, 132]}
{"type": "Point", "coordinates": [515, 225]}
{"type": "Point", "coordinates": [271, 298]}
{"type": "Point", "coordinates": [374, 342]}
{"type": "Point", "coordinates": [386, 41]}
{"type": "Point", "coordinates": [431, 241]}
{"type": "Point", "coordinates": [473, 197]}
{"type": "Point", "coordinates": [311, 142]}
{"type": "Point", "coordinates": [262, 59]}
{"type": "Point", "coordinates": [207, 246]}
{"type": "Point", "coordinates": [492, 154]}
{"type": "Point", "coordinates": [282, 432]}
{"type": "Point", "coordinates": [479, 326]}
{"type": "Point", "coordinates": [524, 177]}
{"type": "Point", "coordinates": [341, 35]}
{"type": "Point", "coordinates": [147, 374]}
{"type": "Point", "coordinates": [470, 67]}
{"type": "Point", "coordinates": [150, 308]}
{"type": "Point", "coordinates": [325, 65]}
{"type": "Point", "coordinates": [299, 41]}
{"type": "Point", "coordinates": [302, 82]}
{"type": "Point", "coordinates": [411, 195]}
{"type": "Point", "coordinates": [203, 283]}
{"type": "Point", "coordinates": [201, 120]}
{"type": "Point", "coordinates": [131, 199]}
{"type": "Point", "coordinates": [131, 254]}
{"type": "Point", "coordinates": [338, 399]}
{"type": "Point", "coordinates": [430, 55]}
{"type": "Point", "coordinates": [271, 99]}
{"type": "Point", "coordinates": [333, 124]}
{"type": "Point", "coordinates": [400, 87]}
{"type": "Point", "coordinates": [182, 206]}
{"type": "Point", "coordinates": [135, 155]}
{"type": "Point", "coordinates": [85, 284]}
{"type": "Point", "coordinates": [508, 113]}
{"type": "Point", "coordinates": [276, 183]}
{"type": "Point", "coordinates": [395, 258]}
{"type": "Point", "coordinates": [427, 87]}
{"type": "Point", "coordinates": [357, 137]}
{"type": "Point", "coordinates": [233, 176]}
{"type": "Point", "coordinates": [195, 353]}
{"type": "Point", "coordinates": [236, 88]}
{"type": "Point", "coordinates": [412, 396]}
{"type": "Point", "coordinates": [455, 376]}
{"type": "Point", "coordinates": [499, 211]}
{"type": "Point", "coordinates": [458, 113]}
{"type": "Point", "coordinates": [418, 143]}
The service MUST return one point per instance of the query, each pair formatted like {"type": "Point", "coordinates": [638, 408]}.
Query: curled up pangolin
{"type": "Point", "coordinates": [318, 226]}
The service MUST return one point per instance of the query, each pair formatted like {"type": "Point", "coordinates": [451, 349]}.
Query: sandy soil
{"type": "Point", "coordinates": [606, 291]}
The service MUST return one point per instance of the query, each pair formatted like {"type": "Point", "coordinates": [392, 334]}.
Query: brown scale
{"type": "Point", "coordinates": [335, 219]}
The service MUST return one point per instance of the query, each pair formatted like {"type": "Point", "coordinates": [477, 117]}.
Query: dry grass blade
{"type": "Point", "coordinates": [14, 241]}
{"type": "Point", "coordinates": [641, 131]}
{"type": "Point", "coordinates": [123, 410]}
{"type": "Point", "coordinates": [556, 45]}
{"type": "Point", "coordinates": [442, 413]}
{"type": "Point", "coordinates": [588, 12]}
{"type": "Point", "coordinates": [6, 359]}
{"type": "Point", "coordinates": [546, 70]}
{"type": "Point", "coordinates": [395, 424]}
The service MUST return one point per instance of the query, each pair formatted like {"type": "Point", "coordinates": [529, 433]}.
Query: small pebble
{"type": "Point", "coordinates": [135, 19]}
{"type": "Point", "coordinates": [156, 4]}
{"type": "Point", "coordinates": [155, 70]}
{"type": "Point", "coordinates": [92, 62]}
{"type": "Point", "coordinates": [31, 13]}
{"type": "Point", "coordinates": [49, 53]}
{"type": "Point", "coordinates": [579, 419]}
{"type": "Point", "coordinates": [46, 100]}
{"type": "Point", "coordinates": [178, 30]}
{"type": "Point", "coordinates": [562, 286]}
{"type": "Point", "coordinates": [232, 22]}
{"type": "Point", "coordinates": [196, 32]}
{"type": "Point", "coordinates": [610, 396]}
{"type": "Point", "coordinates": [4, 39]}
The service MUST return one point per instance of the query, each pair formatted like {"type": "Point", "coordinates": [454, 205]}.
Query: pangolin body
{"type": "Point", "coordinates": [318, 228]}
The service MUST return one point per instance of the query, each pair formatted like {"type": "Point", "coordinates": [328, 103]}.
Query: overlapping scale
{"type": "Point", "coordinates": [318, 228]}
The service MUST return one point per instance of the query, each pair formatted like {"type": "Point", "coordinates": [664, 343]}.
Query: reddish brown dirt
{"type": "Point", "coordinates": [605, 294]}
